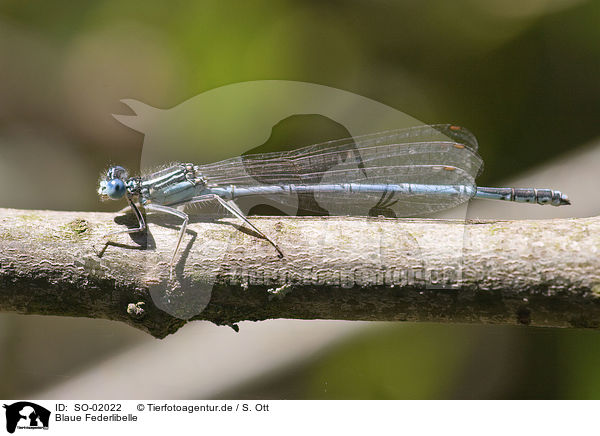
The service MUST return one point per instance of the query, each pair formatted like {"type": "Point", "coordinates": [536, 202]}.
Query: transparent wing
{"type": "Point", "coordinates": [433, 155]}
{"type": "Point", "coordinates": [417, 145]}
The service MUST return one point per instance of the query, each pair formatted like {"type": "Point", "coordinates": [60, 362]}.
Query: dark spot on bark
{"type": "Point", "coordinates": [524, 316]}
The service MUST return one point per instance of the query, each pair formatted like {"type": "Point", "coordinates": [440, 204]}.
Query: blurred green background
{"type": "Point", "coordinates": [523, 75]}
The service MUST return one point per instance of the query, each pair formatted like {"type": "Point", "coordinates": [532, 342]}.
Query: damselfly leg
{"type": "Point", "coordinates": [171, 211]}
{"type": "Point", "coordinates": [228, 205]}
{"type": "Point", "coordinates": [235, 210]}
{"type": "Point", "coordinates": [141, 223]}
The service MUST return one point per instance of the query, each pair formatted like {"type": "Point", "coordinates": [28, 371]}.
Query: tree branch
{"type": "Point", "coordinates": [544, 273]}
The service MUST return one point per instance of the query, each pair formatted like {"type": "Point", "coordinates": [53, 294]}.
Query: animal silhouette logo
{"type": "Point", "coordinates": [226, 124]}
{"type": "Point", "coordinates": [26, 415]}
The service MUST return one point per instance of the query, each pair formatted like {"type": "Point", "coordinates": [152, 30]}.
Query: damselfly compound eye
{"type": "Point", "coordinates": [115, 189]}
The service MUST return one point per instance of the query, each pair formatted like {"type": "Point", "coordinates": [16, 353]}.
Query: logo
{"type": "Point", "coordinates": [26, 415]}
{"type": "Point", "coordinates": [236, 121]}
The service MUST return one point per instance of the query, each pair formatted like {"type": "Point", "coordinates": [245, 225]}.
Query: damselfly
{"type": "Point", "coordinates": [407, 172]}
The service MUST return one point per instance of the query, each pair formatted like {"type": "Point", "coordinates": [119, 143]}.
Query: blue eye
{"type": "Point", "coordinates": [115, 189]}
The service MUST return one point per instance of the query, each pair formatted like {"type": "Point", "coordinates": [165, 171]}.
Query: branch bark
{"type": "Point", "coordinates": [543, 273]}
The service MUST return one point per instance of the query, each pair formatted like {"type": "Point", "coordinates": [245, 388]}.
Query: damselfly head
{"type": "Point", "coordinates": [113, 185]}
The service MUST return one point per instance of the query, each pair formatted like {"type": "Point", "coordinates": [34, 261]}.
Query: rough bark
{"type": "Point", "coordinates": [543, 273]}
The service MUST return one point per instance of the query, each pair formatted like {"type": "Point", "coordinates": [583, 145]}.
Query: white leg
{"type": "Point", "coordinates": [177, 213]}
{"type": "Point", "coordinates": [235, 210]}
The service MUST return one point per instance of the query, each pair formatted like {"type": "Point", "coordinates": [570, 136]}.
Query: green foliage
{"type": "Point", "coordinates": [401, 361]}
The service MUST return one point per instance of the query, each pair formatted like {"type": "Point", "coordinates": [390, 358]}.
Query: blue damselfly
{"type": "Point", "coordinates": [407, 172]}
